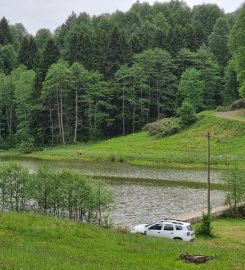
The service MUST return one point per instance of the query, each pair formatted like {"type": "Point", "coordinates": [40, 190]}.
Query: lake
{"type": "Point", "coordinates": [145, 194]}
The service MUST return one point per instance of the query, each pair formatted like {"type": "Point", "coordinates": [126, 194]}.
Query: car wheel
{"type": "Point", "coordinates": [178, 238]}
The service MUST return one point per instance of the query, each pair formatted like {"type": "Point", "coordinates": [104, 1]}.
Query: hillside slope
{"type": "Point", "coordinates": [187, 148]}
{"type": "Point", "coordinates": [38, 242]}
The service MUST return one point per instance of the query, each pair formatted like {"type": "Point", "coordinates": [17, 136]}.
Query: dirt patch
{"type": "Point", "coordinates": [232, 115]}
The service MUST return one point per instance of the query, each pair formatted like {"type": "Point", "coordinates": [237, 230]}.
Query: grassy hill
{"type": "Point", "coordinates": [186, 149]}
{"type": "Point", "coordinates": [37, 242]}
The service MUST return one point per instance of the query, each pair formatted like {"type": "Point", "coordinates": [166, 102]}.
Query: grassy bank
{"type": "Point", "coordinates": [185, 149]}
{"type": "Point", "coordinates": [36, 242]}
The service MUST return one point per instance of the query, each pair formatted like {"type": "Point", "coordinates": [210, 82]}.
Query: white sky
{"type": "Point", "coordinates": [36, 14]}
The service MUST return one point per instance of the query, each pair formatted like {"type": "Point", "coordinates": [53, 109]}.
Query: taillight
{"type": "Point", "coordinates": [188, 234]}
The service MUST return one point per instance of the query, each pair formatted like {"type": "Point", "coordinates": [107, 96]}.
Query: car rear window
{"type": "Point", "coordinates": [168, 227]}
{"type": "Point", "coordinates": [178, 228]}
{"type": "Point", "coordinates": [189, 227]}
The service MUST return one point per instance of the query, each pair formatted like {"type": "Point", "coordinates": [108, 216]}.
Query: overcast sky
{"type": "Point", "coordinates": [36, 14]}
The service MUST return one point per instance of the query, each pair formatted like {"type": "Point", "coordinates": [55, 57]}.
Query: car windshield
{"type": "Point", "coordinates": [153, 223]}
{"type": "Point", "coordinates": [189, 227]}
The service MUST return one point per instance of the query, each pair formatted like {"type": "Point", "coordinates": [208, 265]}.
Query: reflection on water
{"type": "Point", "coordinates": [117, 169]}
{"type": "Point", "coordinates": [141, 203]}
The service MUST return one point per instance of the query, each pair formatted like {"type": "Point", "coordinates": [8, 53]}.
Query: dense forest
{"type": "Point", "coordinates": [108, 75]}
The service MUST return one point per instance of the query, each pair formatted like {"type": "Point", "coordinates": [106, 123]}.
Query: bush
{"type": "Point", "coordinates": [205, 228]}
{"type": "Point", "coordinates": [164, 127]}
{"type": "Point", "coordinates": [26, 147]}
{"type": "Point", "coordinates": [238, 104]}
{"type": "Point", "coordinates": [222, 109]}
{"type": "Point", "coordinates": [58, 193]}
{"type": "Point", "coordinates": [187, 114]}
{"type": "Point", "coordinates": [113, 157]}
{"type": "Point", "coordinates": [234, 179]}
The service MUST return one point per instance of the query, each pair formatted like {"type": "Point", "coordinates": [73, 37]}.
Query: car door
{"type": "Point", "coordinates": [167, 230]}
{"type": "Point", "coordinates": [154, 230]}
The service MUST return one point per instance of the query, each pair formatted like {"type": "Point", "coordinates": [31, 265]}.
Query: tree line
{"type": "Point", "coordinates": [112, 74]}
{"type": "Point", "coordinates": [58, 193]}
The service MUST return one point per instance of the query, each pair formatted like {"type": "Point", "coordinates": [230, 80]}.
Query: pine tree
{"type": "Point", "coordinates": [50, 54]}
{"type": "Point", "coordinates": [5, 33]}
{"type": "Point", "coordinates": [27, 52]}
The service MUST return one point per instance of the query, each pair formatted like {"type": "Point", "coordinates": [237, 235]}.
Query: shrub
{"type": "Point", "coordinates": [27, 146]}
{"type": "Point", "coordinates": [187, 114]}
{"type": "Point", "coordinates": [234, 179]}
{"type": "Point", "coordinates": [121, 159]}
{"type": "Point", "coordinates": [238, 104]}
{"type": "Point", "coordinates": [59, 193]}
{"type": "Point", "coordinates": [13, 182]}
{"type": "Point", "coordinates": [205, 228]}
{"type": "Point", "coordinates": [222, 109]}
{"type": "Point", "coordinates": [164, 127]}
{"type": "Point", "coordinates": [113, 157]}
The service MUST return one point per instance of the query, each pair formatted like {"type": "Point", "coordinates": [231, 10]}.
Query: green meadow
{"type": "Point", "coordinates": [37, 242]}
{"type": "Point", "coordinates": [187, 148]}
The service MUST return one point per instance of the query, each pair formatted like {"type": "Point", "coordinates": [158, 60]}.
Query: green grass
{"type": "Point", "coordinates": [186, 149]}
{"type": "Point", "coordinates": [9, 154]}
{"type": "Point", "coordinates": [241, 113]}
{"type": "Point", "coordinates": [37, 242]}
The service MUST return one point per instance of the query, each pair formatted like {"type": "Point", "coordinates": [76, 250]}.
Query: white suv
{"type": "Point", "coordinates": [173, 229]}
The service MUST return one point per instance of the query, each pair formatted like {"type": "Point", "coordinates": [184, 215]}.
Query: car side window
{"type": "Point", "coordinates": [156, 227]}
{"type": "Point", "coordinates": [168, 227]}
{"type": "Point", "coordinates": [178, 228]}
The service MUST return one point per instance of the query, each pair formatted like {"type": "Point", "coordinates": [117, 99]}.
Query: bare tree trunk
{"type": "Point", "coordinates": [90, 116]}
{"type": "Point", "coordinates": [95, 116]}
{"type": "Point", "coordinates": [134, 109]}
{"type": "Point", "coordinates": [9, 113]}
{"type": "Point", "coordinates": [123, 112]}
{"type": "Point", "coordinates": [148, 105]}
{"type": "Point", "coordinates": [10, 120]}
{"type": "Point", "coordinates": [7, 117]}
{"type": "Point", "coordinates": [141, 101]}
{"type": "Point", "coordinates": [61, 117]}
{"type": "Point", "coordinates": [158, 105]}
{"type": "Point", "coordinates": [58, 111]}
{"type": "Point", "coordinates": [76, 117]}
{"type": "Point", "coordinates": [158, 102]}
{"type": "Point", "coordinates": [52, 124]}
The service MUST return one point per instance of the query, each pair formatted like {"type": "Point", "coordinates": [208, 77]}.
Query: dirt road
{"type": "Point", "coordinates": [232, 115]}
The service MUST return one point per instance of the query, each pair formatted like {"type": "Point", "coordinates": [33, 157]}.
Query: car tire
{"type": "Point", "coordinates": [178, 238]}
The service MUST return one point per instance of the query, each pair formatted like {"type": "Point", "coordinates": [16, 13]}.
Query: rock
{"type": "Point", "coordinates": [198, 259]}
